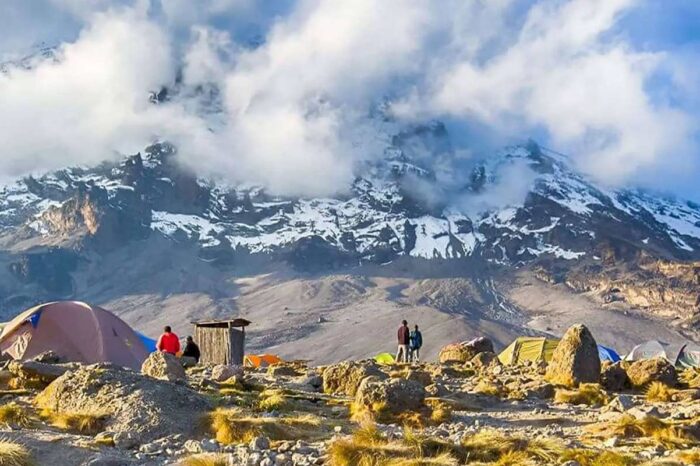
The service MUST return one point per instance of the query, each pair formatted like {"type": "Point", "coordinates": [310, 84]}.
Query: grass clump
{"type": "Point", "coordinates": [586, 457]}
{"type": "Point", "coordinates": [207, 459]}
{"type": "Point", "coordinates": [274, 400]}
{"type": "Point", "coordinates": [491, 446]}
{"type": "Point", "coordinates": [689, 456]}
{"type": "Point", "coordinates": [368, 447]}
{"type": "Point", "coordinates": [658, 391]}
{"type": "Point", "coordinates": [649, 427]}
{"type": "Point", "coordinates": [85, 423]}
{"type": "Point", "coordinates": [14, 454]}
{"type": "Point", "coordinates": [441, 412]}
{"type": "Point", "coordinates": [13, 414]}
{"type": "Point", "coordinates": [586, 394]}
{"type": "Point", "coordinates": [232, 426]}
{"type": "Point", "coordinates": [490, 388]}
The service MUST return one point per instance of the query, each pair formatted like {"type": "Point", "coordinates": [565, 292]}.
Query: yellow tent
{"type": "Point", "coordinates": [528, 349]}
{"type": "Point", "coordinates": [384, 358]}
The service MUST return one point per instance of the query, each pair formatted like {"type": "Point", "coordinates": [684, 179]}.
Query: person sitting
{"type": "Point", "coordinates": [191, 350]}
{"type": "Point", "coordinates": [168, 342]}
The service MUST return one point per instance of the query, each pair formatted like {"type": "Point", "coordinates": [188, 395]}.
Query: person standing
{"type": "Point", "coordinates": [168, 342]}
{"type": "Point", "coordinates": [416, 339]}
{"type": "Point", "coordinates": [403, 337]}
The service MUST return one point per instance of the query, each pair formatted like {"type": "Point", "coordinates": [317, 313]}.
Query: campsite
{"type": "Point", "coordinates": [349, 233]}
{"type": "Point", "coordinates": [80, 386]}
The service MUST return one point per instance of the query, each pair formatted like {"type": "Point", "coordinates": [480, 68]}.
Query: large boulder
{"type": "Point", "coordinates": [463, 352]}
{"type": "Point", "coordinates": [345, 377]}
{"type": "Point", "coordinates": [645, 371]}
{"type": "Point", "coordinates": [142, 407]}
{"type": "Point", "coordinates": [613, 376]}
{"type": "Point", "coordinates": [393, 395]}
{"type": "Point", "coordinates": [163, 366]}
{"type": "Point", "coordinates": [575, 360]}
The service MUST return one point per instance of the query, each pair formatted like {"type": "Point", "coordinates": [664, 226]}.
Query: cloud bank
{"type": "Point", "coordinates": [280, 95]}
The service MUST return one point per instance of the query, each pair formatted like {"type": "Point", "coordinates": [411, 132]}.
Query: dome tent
{"type": "Point", "coordinates": [75, 331]}
{"type": "Point", "coordinates": [528, 349]}
{"type": "Point", "coordinates": [655, 349]}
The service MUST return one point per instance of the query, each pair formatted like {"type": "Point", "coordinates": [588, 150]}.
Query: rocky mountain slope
{"type": "Point", "coordinates": [147, 237]}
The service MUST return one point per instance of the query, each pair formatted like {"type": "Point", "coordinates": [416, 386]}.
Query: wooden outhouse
{"type": "Point", "coordinates": [221, 341]}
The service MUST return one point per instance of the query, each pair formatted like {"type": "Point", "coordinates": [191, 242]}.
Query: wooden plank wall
{"type": "Point", "coordinates": [214, 345]}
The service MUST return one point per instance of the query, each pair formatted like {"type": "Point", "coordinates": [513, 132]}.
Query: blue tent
{"type": "Point", "coordinates": [150, 343]}
{"type": "Point", "coordinates": [607, 354]}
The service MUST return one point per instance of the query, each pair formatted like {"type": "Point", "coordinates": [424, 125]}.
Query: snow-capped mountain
{"type": "Point", "coordinates": [524, 208]}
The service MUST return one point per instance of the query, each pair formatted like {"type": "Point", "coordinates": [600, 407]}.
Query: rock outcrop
{"type": "Point", "coordinates": [575, 360]}
{"type": "Point", "coordinates": [163, 366]}
{"type": "Point", "coordinates": [394, 395]}
{"type": "Point", "coordinates": [345, 377]}
{"type": "Point", "coordinates": [463, 352]}
{"type": "Point", "coordinates": [613, 376]}
{"type": "Point", "coordinates": [645, 371]}
{"type": "Point", "coordinates": [144, 407]}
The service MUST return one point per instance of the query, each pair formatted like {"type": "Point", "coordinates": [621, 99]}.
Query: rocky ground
{"type": "Point", "coordinates": [466, 409]}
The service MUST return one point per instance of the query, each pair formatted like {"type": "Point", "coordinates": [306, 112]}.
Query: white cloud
{"type": "Point", "coordinates": [290, 108]}
{"type": "Point", "coordinates": [91, 103]}
{"type": "Point", "coordinates": [564, 74]}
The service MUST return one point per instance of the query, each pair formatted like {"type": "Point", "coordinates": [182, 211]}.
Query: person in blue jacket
{"type": "Point", "coordinates": [415, 342]}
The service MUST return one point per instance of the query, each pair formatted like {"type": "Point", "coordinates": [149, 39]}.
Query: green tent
{"type": "Point", "coordinates": [384, 358]}
{"type": "Point", "coordinates": [528, 349]}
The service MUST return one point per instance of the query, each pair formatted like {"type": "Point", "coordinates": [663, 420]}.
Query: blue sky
{"type": "Point", "coordinates": [611, 82]}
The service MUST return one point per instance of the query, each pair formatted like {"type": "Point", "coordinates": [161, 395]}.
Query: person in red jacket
{"type": "Point", "coordinates": [403, 335]}
{"type": "Point", "coordinates": [168, 342]}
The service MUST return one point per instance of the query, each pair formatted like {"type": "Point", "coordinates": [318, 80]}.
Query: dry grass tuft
{"type": "Point", "coordinates": [368, 447]}
{"type": "Point", "coordinates": [14, 454]}
{"type": "Point", "coordinates": [658, 391]}
{"type": "Point", "coordinates": [13, 414]}
{"type": "Point", "coordinates": [691, 377]}
{"type": "Point", "coordinates": [488, 387]}
{"type": "Point", "coordinates": [689, 456]}
{"type": "Point", "coordinates": [441, 412]}
{"type": "Point", "coordinates": [207, 459]}
{"type": "Point", "coordinates": [232, 426]}
{"type": "Point", "coordinates": [586, 394]}
{"type": "Point", "coordinates": [490, 446]}
{"type": "Point", "coordinates": [628, 426]}
{"type": "Point", "coordinates": [274, 400]}
{"type": "Point", "coordinates": [85, 423]}
{"type": "Point", "coordinates": [596, 458]}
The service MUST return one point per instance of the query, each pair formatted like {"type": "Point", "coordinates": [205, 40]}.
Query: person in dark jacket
{"type": "Point", "coordinates": [404, 337]}
{"type": "Point", "coordinates": [191, 349]}
{"type": "Point", "coordinates": [416, 341]}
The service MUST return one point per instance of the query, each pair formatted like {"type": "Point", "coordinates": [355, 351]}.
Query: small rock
{"type": "Point", "coordinates": [125, 440]}
{"type": "Point", "coordinates": [259, 443]}
{"type": "Point", "coordinates": [223, 372]}
{"type": "Point", "coordinates": [612, 442]}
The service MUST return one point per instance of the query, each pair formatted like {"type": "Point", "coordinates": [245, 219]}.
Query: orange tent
{"type": "Point", "coordinates": [75, 331]}
{"type": "Point", "coordinates": [260, 360]}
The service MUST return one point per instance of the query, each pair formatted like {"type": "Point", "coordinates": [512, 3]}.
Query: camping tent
{"type": "Point", "coordinates": [149, 343]}
{"type": "Point", "coordinates": [528, 349]}
{"type": "Point", "coordinates": [689, 356]}
{"type": "Point", "coordinates": [384, 358]}
{"type": "Point", "coordinates": [75, 331]}
{"type": "Point", "coordinates": [260, 360]}
{"type": "Point", "coordinates": [655, 349]}
{"type": "Point", "coordinates": [607, 354]}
